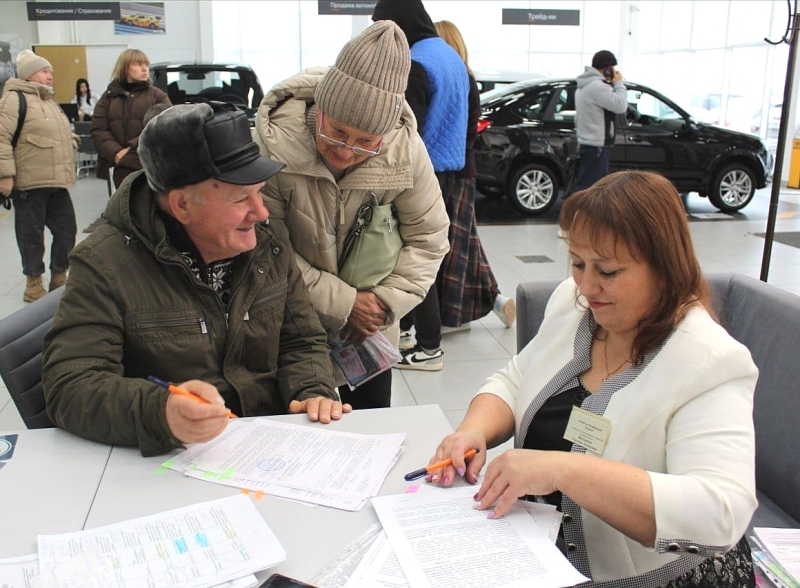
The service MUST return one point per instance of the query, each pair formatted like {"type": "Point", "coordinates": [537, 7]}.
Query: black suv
{"type": "Point", "coordinates": [232, 83]}
{"type": "Point", "coordinates": [526, 146]}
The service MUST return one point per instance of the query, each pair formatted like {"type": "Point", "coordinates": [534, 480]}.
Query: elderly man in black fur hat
{"type": "Point", "coordinates": [186, 282]}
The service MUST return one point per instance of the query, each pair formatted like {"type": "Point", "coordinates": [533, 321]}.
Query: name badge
{"type": "Point", "coordinates": [588, 430]}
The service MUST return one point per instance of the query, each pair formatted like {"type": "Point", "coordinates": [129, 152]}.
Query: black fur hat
{"type": "Point", "coordinates": [190, 143]}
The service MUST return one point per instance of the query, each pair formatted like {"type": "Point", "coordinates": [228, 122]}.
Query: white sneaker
{"type": "Point", "coordinates": [506, 310]}
{"type": "Point", "coordinates": [464, 327]}
{"type": "Point", "coordinates": [418, 359]}
{"type": "Point", "coordinates": [406, 341]}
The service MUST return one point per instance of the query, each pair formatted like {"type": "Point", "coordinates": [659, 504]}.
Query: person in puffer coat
{"type": "Point", "coordinates": [347, 136]}
{"type": "Point", "coordinates": [42, 166]}
{"type": "Point", "coordinates": [118, 116]}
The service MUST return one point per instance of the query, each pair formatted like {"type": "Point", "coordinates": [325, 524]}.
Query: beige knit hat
{"type": "Point", "coordinates": [28, 63]}
{"type": "Point", "coordinates": [365, 88]}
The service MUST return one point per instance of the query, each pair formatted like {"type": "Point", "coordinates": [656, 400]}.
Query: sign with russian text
{"type": "Point", "coordinates": [534, 16]}
{"type": "Point", "coordinates": [346, 7]}
{"type": "Point", "coordinates": [73, 10]}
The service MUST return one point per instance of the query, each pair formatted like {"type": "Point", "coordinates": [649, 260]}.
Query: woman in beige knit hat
{"type": "Point", "coordinates": [347, 136]}
{"type": "Point", "coordinates": [37, 171]}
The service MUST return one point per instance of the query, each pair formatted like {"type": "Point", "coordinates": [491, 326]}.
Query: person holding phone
{"type": "Point", "coordinates": [600, 96]}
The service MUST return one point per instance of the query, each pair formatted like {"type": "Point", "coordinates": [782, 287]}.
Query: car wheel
{"type": "Point", "coordinates": [152, 26]}
{"type": "Point", "coordinates": [533, 189]}
{"type": "Point", "coordinates": [733, 188]}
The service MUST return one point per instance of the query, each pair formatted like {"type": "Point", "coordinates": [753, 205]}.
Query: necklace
{"type": "Point", "coordinates": [610, 373]}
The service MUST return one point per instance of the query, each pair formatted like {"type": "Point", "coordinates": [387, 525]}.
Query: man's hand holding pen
{"type": "Point", "coordinates": [196, 422]}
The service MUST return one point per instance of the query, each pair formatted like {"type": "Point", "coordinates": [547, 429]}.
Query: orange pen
{"type": "Point", "coordinates": [181, 392]}
{"type": "Point", "coordinates": [436, 466]}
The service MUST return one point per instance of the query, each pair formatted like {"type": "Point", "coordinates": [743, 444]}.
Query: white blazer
{"type": "Point", "coordinates": [686, 420]}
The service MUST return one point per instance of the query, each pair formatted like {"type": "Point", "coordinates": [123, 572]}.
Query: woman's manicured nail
{"type": "Point", "coordinates": [490, 515]}
{"type": "Point", "coordinates": [461, 472]}
{"type": "Point", "coordinates": [446, 480]}
{"type": "Point", "coordinates": [475, 497]}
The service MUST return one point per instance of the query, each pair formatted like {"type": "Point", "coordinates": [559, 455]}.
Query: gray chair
{"type": "Point", "coordinates": [766, 320]}
{"type": "Point", "coordinates": [86, 158]}
{"type": "Point", "coordinates": [21, 339]}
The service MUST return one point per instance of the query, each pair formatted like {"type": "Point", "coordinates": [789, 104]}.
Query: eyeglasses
{"type": "Point", "coordinates": [355, 149]}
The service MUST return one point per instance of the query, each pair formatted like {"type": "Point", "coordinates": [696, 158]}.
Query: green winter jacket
{"type": "Point", "coordinates": [133, 308]}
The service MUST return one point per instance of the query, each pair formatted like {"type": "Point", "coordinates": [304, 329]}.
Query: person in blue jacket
{"type": "Point", "coordinates": [438, 92]}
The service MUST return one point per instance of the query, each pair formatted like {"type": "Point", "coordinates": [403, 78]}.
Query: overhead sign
{"type": "Point", "coordinates": [346, 7]}
{"type": "Point", "coordinates": [73, 10]}
{"type": "Point", "coordinates": [534, 16]}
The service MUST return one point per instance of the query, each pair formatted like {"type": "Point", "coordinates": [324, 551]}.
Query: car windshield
{"type": "Point", "coordinates": [235, 86]}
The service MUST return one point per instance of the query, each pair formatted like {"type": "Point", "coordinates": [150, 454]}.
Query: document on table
{"type": "Point", "coordinates": [441, 541]}
{"type": "Point", "coordinates": [304, 463]}
{"type": "Point", "coordinates": [379, 567]}
{"type": "Point", "coordinates": [185, 459]}
{"type": "Point", "coordinates": [19, 572]}
{"type": "Point", "coordinates": [196, 546]}
{"type": "Point", "coordinates": [782, 546]}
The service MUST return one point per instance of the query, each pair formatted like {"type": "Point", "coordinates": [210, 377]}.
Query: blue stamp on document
{"type": "Point", "coordinates": [7, 445]}
{"type": "Point", "coordinates": [271, 464]}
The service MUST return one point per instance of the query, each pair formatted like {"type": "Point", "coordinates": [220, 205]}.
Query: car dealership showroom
{"type": "Point", "coordinates": [711, 105]}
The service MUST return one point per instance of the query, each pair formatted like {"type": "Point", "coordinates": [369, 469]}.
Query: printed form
{"type": "Point", "coordinates": [312, 464]}
{"type": "Point", "coordinates": [379, 567]}
{"type": "Point", "coordinates": [196, 546]}
{"type": "Point", "coordinates": [19, 572]}
{"type": "Point", "coordinates": [441, 541]}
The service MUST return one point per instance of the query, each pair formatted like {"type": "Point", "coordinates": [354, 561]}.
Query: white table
{"type": "Point", "coordinates": [129, 486]}
{"type": "Point", "coordinates": [47, 487]}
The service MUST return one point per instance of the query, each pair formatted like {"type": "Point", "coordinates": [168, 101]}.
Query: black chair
{"type": "Point", "coordinates": [21, 340]}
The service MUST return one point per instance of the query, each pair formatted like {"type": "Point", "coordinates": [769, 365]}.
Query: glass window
{"type": "Point", "coordinates": [749, 19]}
{"type": "Point", "coordinates": [649, 26]}
{"type": "Point", "coordinates": [649, 108]}
{"type": "Point", "coordinates": [533, 108]}
{"type": "Point", "coordinates": [676, 24]}
{"type": "Point", "coordinates": [709, 24]}
{"type": "Point", "coordinates": [564, 108]}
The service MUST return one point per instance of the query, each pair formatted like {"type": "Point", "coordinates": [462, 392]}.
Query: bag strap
{"type": "Point", "coordinates": [23, 111]}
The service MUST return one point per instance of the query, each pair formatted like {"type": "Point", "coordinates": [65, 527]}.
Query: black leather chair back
{"type": "Point", "coordinates": [21, 339]}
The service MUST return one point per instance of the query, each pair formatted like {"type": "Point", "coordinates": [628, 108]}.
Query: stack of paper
{"type": "Point", "coordinates": [309, 464]}
{"type": "Point", "coordinates": [379, 567]}
{"type": "Point", "coordinates": [779, 557]}
{"type": "Point", "coordinates": [217, 543]}
{"type": "Point", "coordinates": [441, 541]}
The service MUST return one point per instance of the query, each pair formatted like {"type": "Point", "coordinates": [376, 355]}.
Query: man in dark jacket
{"type": "Point", "coordinates": [438, 92]}
{"type": "Point", "coordinates": [189, 283]}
